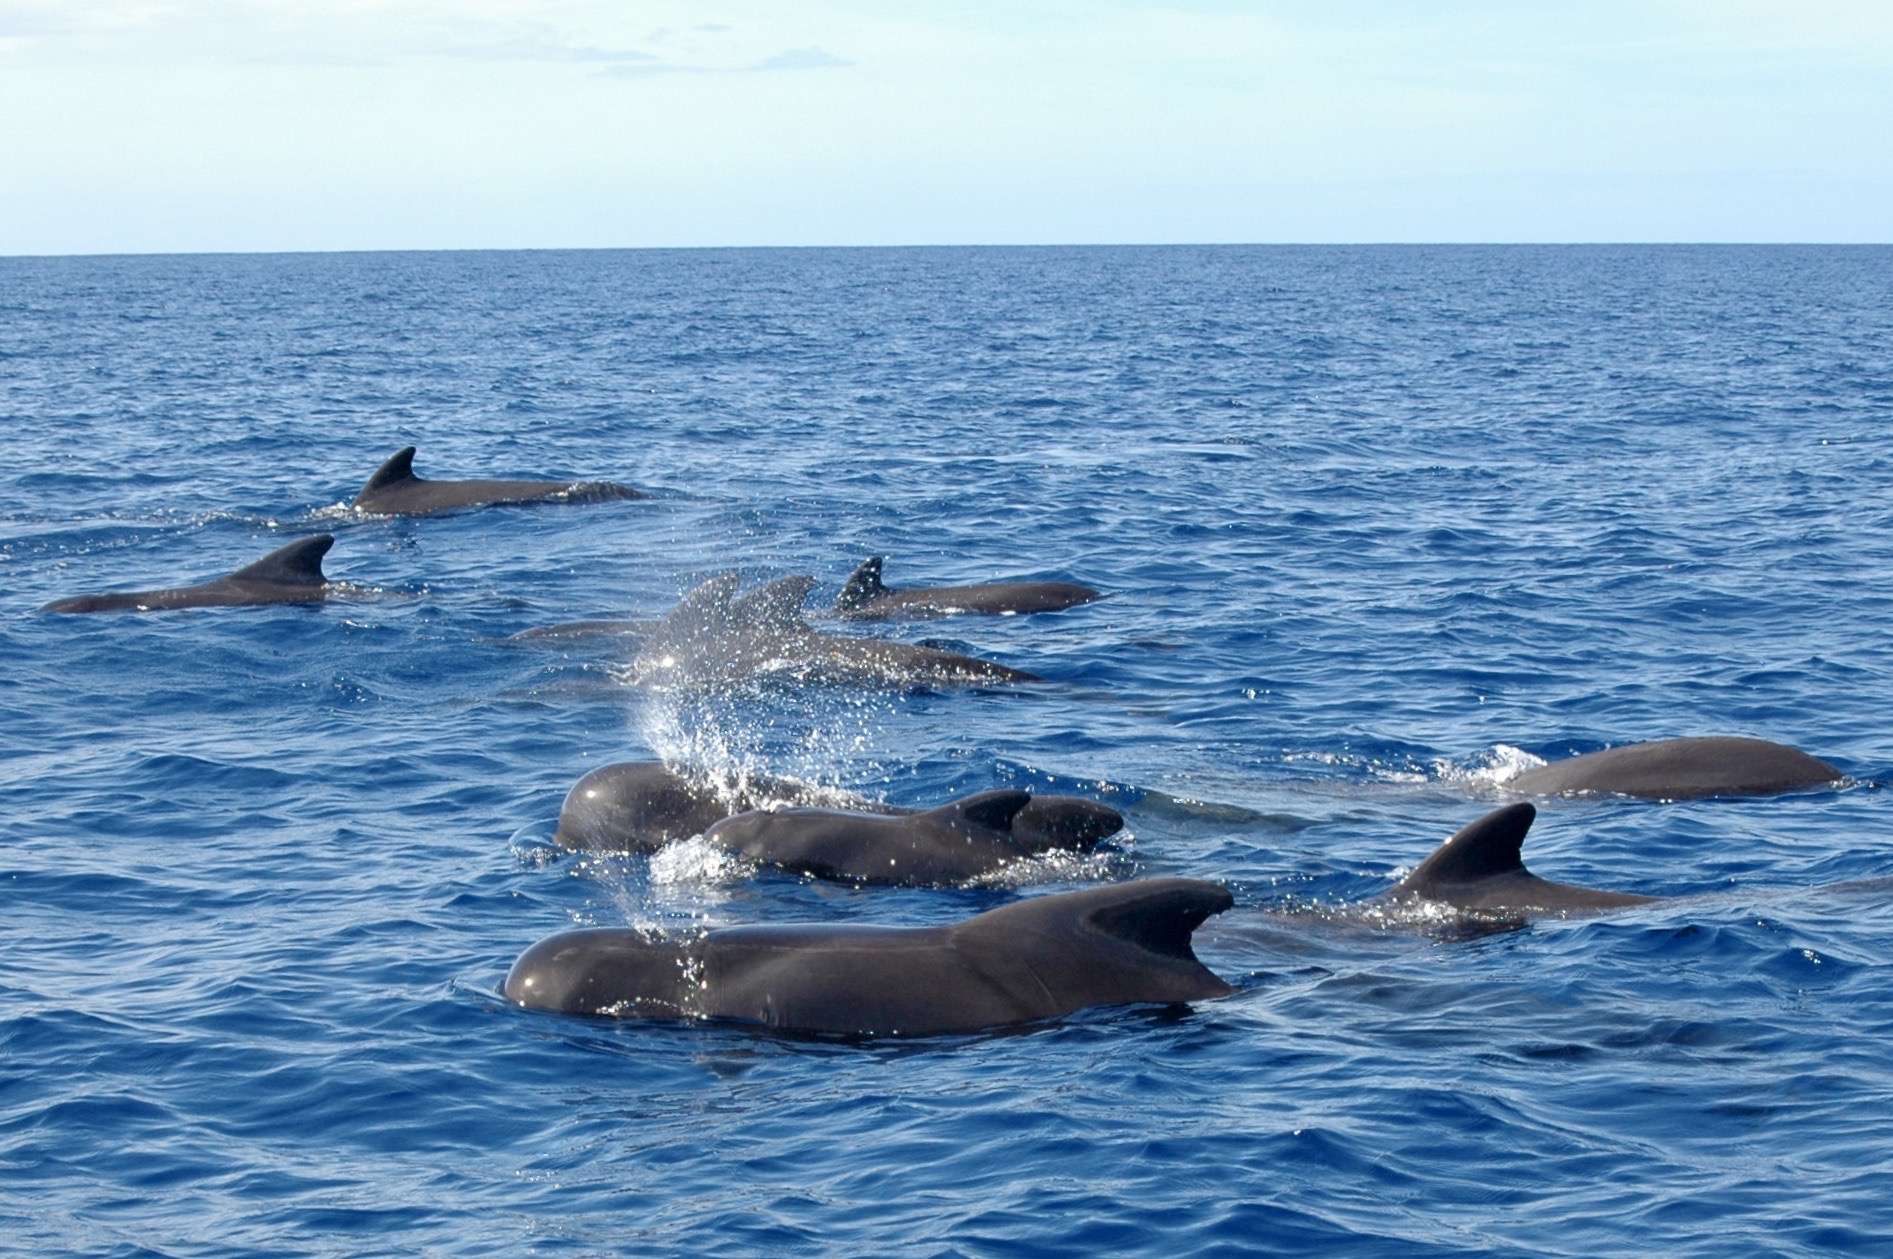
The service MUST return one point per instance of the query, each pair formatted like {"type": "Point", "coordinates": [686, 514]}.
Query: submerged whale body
{"type": "Point", "coordinates": [1481, 869]}
{"type": "Point", "coordinates": [619, 631]}
{"type": "Point", "coordinates": [394, 490]}
{"type": "Point", "coordinates": [289, 574]}
{"type": "Point", "coordinates": [865, 598]}
{"type": "Point", "coordinates": [1125, 944]}
{"type": "Point", "coordinates": [716, 636]}
{"type": "Point", "coordinates": [639, 806]}
{"type": "Point", "coordinates": [1682, 769]}
{"type": "Point", "coordinates": [952, 844]}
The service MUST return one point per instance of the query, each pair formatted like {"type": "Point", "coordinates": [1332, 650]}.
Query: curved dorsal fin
{"type": "Point", "coordinates": [298, 564]}
{"type": "Point", "coordinates": [1478, 850]}
{"type": "Point", "coordinates": [776, 604]}
{"type": "Point", "coordinates": [864, 584]}
{"type": "Point", "coordinates": [991, 809]}
{"type": "Point", "coordinates": [704, 607]}
{"type": "Point", "coordinates": [400, 467]}
{"type": "Point", "coordinates": [1158, 914]}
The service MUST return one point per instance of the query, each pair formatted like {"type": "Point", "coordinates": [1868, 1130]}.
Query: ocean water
{"type": "Point", "coordinates": [1380, 526]}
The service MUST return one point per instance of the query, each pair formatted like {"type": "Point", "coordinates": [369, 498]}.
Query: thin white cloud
{"type": "Point", "coordinates": [801, 59]}
{"type": "Point", "coordinates": [791, 59]}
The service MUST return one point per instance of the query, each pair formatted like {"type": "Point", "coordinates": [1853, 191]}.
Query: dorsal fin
{"type": "Point", "coordinates": [1158, 914]}
{"type": "Point", "coordinates": [715, 592]}
{"type": "Point", "coordinates": [298, 564]}
{"type": "Point", "coordinates": [776, 604]}
{"type": "Point", "coordinates": [1478, 850]}
{"type": "Point", "coordinates": [991, 809]}
{"type": "Point", "coordinates": [400, 467]}
{"type": "Point", "coordinates": [864, 584]}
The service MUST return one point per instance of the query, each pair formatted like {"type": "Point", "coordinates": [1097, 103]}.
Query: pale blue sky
{"type": "Point", "coordinates": [159, 125]}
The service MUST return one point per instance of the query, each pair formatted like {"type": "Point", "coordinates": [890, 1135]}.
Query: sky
{"type": "Point", "coordinates": [135, 126]}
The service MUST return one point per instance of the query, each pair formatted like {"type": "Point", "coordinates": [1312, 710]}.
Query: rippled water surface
{"type": "Point", "coordinates": [1379, 527]}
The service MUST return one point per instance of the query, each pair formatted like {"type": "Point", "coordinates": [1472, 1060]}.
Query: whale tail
{"type": "Point", "coordinates": [298, 564]}
{"type": "Point", "coordinates": [864, 586]}
{"type": "Point", "coordinates": [399, 468]}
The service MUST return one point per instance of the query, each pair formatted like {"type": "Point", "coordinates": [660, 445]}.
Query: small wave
{"type": "Point", "coordinates": [696, 861]}
{"type": "Point", "coordinates": [1059, 866]}
{"type": "Point", "coordinates": [1492, 768]}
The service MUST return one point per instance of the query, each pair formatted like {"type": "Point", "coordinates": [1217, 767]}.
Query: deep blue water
{"type": "Point", "coordinates": [1380, 525]}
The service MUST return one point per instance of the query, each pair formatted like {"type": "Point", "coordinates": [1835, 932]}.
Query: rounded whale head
{"type": "Point", "coordinates": [1051, 823]}
{"type": "Point", "coordinates": [602, 970]}
{"type": "Point", "coordinates": [634, 806]}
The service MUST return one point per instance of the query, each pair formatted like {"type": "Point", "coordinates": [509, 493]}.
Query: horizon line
{"type": "Point", "coordinates": [754, 248]}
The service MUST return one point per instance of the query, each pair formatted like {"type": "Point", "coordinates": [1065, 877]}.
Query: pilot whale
{"type": "Point", "coordinates": [1481, 869]}
{"type": "Point", "coordinates": [639, 806]}
{"type": "Point", "coordinates": [1128, 943]}
{"type": "Point", "coordinates": [1682, 769]}
{"type": "Point", "coordinates": [289, 574]}
{"type": "Point", "coordinates": [865, 598]}
{"type": "Point", "coordinates": [394, 490]}
{"type": "Point", "coordinates": [952, 844]}
{"type": "Point", "coordinates": [716, 636]}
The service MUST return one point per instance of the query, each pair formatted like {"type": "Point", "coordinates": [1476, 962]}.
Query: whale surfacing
{"type": "Point", "coordinates": [716, 636]}
{"type": "Point", "coordinates": [865, 598]}
{"type": "Point", "coordinates": [394, 490]}
{"type": "Point", "coordinates": [950, 845]}
{"type": "Point", "coordinates": [1040, 958]}
{"type": "Point", "coordinates": [1682, 769]}
{"type": "Point", "coordinates": [289, 574]}
{"type": "Point", "coordinates": [639, 806]}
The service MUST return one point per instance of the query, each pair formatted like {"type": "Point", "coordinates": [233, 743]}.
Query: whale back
{"type": "Point", "coordinates": [1682, 769]}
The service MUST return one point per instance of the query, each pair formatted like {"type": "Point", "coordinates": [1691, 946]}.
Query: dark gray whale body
{"type": "Point", "coordinates": [1682, 769]}
{"type": "Point", "coordinates": [865, 598]}
{"type": "Point", "coordinates": [639, 806]}
{"type": "Point", "coordinates": [394, 490]}
{"type": "Point", "coordinates": [289, 574]}
{"type": "Point", "coordinates": [952, 844]}
{"type": "Point", "coordinates": [1481, 869]}
{"type": "Point", "coordinates": [1128, 943]}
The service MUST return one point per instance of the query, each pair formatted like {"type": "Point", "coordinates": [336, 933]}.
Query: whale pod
{"type": "Point", "coordinates": [289, 574]}
{"type": "Point", "coordinates": [1128, 943]}
{"type": "Point", "coordinates": [1682, 769]}
{"type": "Point", "coordinates": [866, 598]}
{"type": "Point", "coordinates": [394, 490]}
